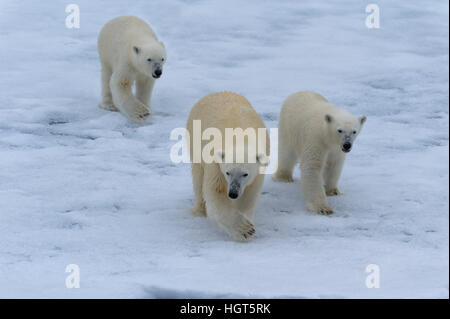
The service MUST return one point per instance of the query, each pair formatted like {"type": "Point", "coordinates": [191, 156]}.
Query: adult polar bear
{"type": "Point", "coordinates": [129, 51]}
{"type": "Point", "coordinates": [319, 134]}
{"type": "Point", "coordinates": [227, 191]}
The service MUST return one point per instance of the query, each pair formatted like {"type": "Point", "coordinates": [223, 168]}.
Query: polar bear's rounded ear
{"type": "Point", "coordinates": [262, 159]}
{"type": "Point", "coordinates": [219, 156]}
{"type": "Point", "coordinates": [328, 118]}
{"type": "Point", "coordinates": [362, 119]}
{"type": "Point", "coordinates": [136, 49]}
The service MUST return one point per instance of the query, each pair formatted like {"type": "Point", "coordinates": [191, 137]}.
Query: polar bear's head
{"type": "Point", "coordinates": [344, 129]}
{"type": "Point", "coordinates": [149, 58]}
{"type": "Point", "coordinates": [240, 175]}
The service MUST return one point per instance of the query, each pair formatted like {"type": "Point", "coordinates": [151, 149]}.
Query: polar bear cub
{"type": "Point", "coordinates": [129, 52]}
{"type": "Point", "coordinates": [227, 187]}
{"type": "Point", "coordinates": [318, 134]}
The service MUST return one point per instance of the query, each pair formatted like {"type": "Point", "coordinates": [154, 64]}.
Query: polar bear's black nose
{"type": "Point", "coordinates": [233, 195]}
{"type": "Point", "coordinates": [158, 73]}
{"type": "Point", "coordinates": [347, 146]}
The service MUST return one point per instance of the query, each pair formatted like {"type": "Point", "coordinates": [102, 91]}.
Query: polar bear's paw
{"type": "Point", "coordinates": [321, 210]}
{"type": "Point", "coordinates": [199, 210]}
{"type": "Point", "coordinates": [139, 113]}
{"type": "Point", "coordinates": [333, 192]}
{"type": "Point", "coordinates": [244, 230]}
{"type": "Point", "coordinates": [283, 177]}
{"type": "Point", "coordinates": [325, 211]}
{"type": "Point", "coordinates": [108, 107]}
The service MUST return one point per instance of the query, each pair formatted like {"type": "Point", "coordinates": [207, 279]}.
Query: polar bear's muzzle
{"type": "Point", "coordinates": [346, 147]}
{"type": "Point", "coordinates": [157, 74]}
{"type": "Point", "coordinates": [234, 190]}
{"type": "Point", "coordinates": [157, 70]}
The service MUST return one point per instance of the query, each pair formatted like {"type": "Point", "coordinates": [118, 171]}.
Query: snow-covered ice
{"type": "Point", "coordinates": [79, 185]}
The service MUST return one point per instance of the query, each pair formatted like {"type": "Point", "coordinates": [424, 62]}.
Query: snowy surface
{"type": "Point", "coordinates": [79, 185]}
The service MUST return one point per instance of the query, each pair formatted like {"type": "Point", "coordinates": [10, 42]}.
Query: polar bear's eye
{"type": "Point", "coordinates": [149, 60]}
{"type": "Point", "coordinates": [354, 132]}
{"type": "Point", "coordinates": [162, 59]}
{"type": "Point", "coordinates": [339, 131]}
{"type": "Point", "coordinates": [228, 173]}
{"type": "Point", "coordinates": [245, 175]}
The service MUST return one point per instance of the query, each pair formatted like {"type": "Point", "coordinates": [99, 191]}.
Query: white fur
{"type": "Point", "coordinates": [213, 182]}
{"type": "Point", "coordinates": [124, 45]}
{"type": "Point", "coordinates": [315, 132]}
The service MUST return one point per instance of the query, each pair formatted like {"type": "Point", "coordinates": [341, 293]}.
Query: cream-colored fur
{"type": "Point", "coordinates": [211, 181]}
{"type": "Point", "coordinates": [315, 132]}
{"type": "Point", "coordinates": [129, 52]}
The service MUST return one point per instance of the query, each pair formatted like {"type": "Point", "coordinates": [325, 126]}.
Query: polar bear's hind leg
{"type": "Point", "coordinates": [286, 163]}
{"type": "Point", "coordinates": [107, 101]}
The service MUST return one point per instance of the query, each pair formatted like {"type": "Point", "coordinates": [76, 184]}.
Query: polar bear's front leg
{"type": "Point", "coordinates": [235, 224]}
{"type": "Point", "coordinates": [312, 184]}
{"type": "Point", "coordinates": [197, 181]}
{"type": "Point", "coordinates": [124, 99]}
{"type": "Point", "coordinates": [332, 172]}
{"type": "Point", "coordinates": [144, 88]}
{"type": "Point", "coordinates": [227, 218]}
